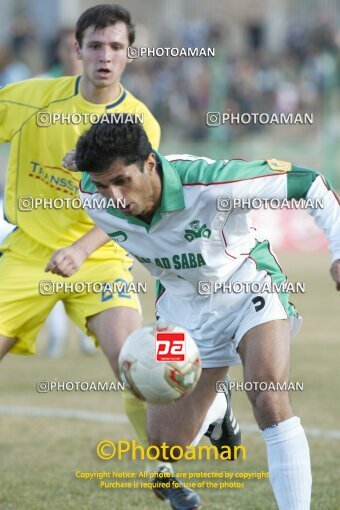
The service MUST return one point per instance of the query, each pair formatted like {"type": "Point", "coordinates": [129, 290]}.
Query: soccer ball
{"type": "Point", "coordinates": [160, 382]}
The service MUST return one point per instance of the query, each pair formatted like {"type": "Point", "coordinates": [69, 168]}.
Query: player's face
{"type": "Point", "coordinates": [104, 54]}
{"type": "Point", "coordinates": [139, 191]}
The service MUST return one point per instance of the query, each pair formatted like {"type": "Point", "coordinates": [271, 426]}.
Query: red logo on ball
{"type": "Point", "coordinates": [170, 346]}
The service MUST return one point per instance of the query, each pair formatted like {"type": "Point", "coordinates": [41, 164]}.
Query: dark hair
{"type": "Point", "coordinates": [102, 16]}
{"type": "Point", "coordinates": [106, 142]}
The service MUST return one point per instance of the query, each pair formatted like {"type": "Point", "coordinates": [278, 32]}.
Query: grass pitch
{"type": "Point", "coordinates": [40, 454]}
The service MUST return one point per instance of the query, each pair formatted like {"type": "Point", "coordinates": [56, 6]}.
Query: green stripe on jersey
{"type": "Point", "coordinates": [265, 260]}
{"type": "Point", "coordinates": [86, 183]}
{"type": "Point", "coordinates": [200, 171]}
{"type": "Point", "coordinates": [299, 180]}
{"type": "Point", "coordinates": [159, 289]}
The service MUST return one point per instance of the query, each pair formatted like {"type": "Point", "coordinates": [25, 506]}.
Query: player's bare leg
{"type": "Point", "coordinates": [5, 344]}
{"type": "Point", "coordinates": [265, 353]}
{"type": "Point", "coordinates": [111, 328]}
{"type": "Point", "coordinates": [179, 423]}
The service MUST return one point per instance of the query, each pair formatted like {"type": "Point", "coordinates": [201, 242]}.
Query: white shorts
{"type": "Point", "coordinates": [218, 322]}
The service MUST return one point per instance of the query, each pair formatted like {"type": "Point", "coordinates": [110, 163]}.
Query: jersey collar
{"type": "Point", "coordinates": [107, 106]}
{"type": "Point", "coordinates": [172, 191]}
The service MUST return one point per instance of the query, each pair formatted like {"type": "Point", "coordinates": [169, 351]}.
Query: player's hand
{"type": "Point", "coordinates": [69, 161]}
{"type": "Point", "coordinates": [66, 262]}
{"type": "Point", "coordinates": [160, 326]}
{"type": "Point", "coordinates": [335, 272]}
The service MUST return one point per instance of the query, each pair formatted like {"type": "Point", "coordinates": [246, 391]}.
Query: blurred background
{"type": "Point", "coordinates": [271, 56]}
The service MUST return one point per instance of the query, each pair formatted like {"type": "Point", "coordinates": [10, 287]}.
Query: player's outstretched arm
{"type": "Point", "coordinates": [335, 272]}
{"type": "Point", "coordinates": [67, 261]}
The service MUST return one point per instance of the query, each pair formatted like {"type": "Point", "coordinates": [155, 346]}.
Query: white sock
{"type": "Point", "coordinates": [216, 410]}
{"type": "Point", "coordinates": [289, 464]}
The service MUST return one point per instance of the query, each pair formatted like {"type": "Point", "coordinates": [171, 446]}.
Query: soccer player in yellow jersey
{"type": "Point", "coordinates": [35, 170]}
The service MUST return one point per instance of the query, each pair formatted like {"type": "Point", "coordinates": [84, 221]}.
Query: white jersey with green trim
{"type": "Point", "coordinates": [201, 231]}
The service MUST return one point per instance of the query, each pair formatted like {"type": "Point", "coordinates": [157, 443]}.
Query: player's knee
{"type": "Point", "coordinates": [268, 405]}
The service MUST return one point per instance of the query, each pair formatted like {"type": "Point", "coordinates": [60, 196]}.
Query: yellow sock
{"type": "Point", "coordinates": [136, 412]}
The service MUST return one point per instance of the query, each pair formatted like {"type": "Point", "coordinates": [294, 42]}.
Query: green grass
{"type": "Point", "coordinates": [40, 455]}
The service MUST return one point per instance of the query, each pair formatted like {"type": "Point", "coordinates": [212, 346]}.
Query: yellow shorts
{"type": "Point", "coordinates": [25, 302]}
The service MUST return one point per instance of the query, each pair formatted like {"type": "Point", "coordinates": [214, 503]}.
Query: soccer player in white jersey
{"type": "Point", "coordinates": [166, 199]}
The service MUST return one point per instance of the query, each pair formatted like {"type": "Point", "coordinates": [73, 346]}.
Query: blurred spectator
{"type": "Point", "coordinates": [181, 90]}
{"type": "Point", "coordinates": [11, 69]}
{"type": "Point", "coordinates": [25, 39]}
{"type": "Point", "coordinates": [65, 61]}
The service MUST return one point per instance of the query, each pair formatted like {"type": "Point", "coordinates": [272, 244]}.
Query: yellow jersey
{"type": "Point", "coordinates": [28, 113]}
